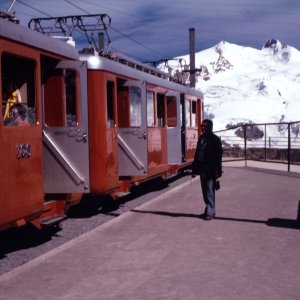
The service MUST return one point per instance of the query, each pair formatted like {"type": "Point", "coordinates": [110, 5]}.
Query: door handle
{"type": "Point", "coordinates": [82, 138]}
{"type": "Point", "coordinates": [85, 137]}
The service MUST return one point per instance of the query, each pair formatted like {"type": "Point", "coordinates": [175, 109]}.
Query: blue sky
{"type": "Point", "coordinates": [151, 30]}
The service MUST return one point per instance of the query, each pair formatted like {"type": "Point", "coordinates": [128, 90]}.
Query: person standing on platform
{"type": "Point", "coordinates": [208, 164]}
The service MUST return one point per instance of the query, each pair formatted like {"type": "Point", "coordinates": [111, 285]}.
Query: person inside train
{"type": "Point", "coordinates": [17, 115]}
{"type": "Point", "coordinates": [12, 96]}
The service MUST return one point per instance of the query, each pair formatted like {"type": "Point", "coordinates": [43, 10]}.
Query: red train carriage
{"type": "Point", "coordinates": [29, 63]}
{"type": "Point", "coordinates": [88, 124]}
{"type": "Point", "coordinates": [141, 125]}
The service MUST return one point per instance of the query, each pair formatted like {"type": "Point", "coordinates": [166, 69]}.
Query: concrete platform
{"type": "Point", "coordinates": [163, 250]}
{"type": "Point", "coordinates": [264, 165]}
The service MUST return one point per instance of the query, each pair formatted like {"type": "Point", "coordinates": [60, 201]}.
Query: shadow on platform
{"type": "Point", "coordinates": [274, 222]}
{"type": "Point", "coordinates": [92, 205]}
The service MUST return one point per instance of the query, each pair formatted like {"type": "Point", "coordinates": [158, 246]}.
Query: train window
{"type": "Point", "coordinates": [129, 105]}
{"type": "Point", "coordinates": [123, 105]}
{"type": "Point", "coordinates": [110, 86]}
{"type": "Point", "coordinates": [54, 103]}
{"type": "Point", "coordinates": [71, 78]}
{"type": "Point", "coordinates": [61, 97]}
{"type": "Point", "coordinates": [181, 114]}
{"type": "Point", "coordinates": [135, 97]}
{"type": "Point", "coordinates": [18, 90]}
{"type": "Point", "coordinates": [188, 113]}
{"type": "Point", "coordinates": [150, 109]}
{"type": "Point", "coordinates": [160, 110]}
{"type": "Point", "coordinates": [194, 114]}
{"type": "Point", "coordinates": [171, 111]}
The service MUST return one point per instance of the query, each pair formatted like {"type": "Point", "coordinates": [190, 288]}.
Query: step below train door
{"type": "Point", "coordinates": [65, 128]}
{"type": "Point", "coordinates": [174, 128]}
{"type": "Point", "coordinates": [132, 134]}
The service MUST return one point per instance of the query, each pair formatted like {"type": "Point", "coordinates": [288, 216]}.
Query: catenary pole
{"type": "Point", "coordinates": [192, 56]}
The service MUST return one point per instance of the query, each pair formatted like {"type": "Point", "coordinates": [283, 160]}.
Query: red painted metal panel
{"type": "Point", "coordinates": [21, 192]}
{"type": "Point", "coordinates": [103, 140]}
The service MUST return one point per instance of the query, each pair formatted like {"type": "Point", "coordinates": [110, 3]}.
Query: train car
{"type": "Point", "coordinates": [141, 124]}
{"type": "Point", "coordinates": [30, 63]}
{"type": "Point", "coordinates": [84, 124]}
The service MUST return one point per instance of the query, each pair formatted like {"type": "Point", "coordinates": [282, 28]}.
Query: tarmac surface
{"type": "Point", "coordinates": [164, 250]}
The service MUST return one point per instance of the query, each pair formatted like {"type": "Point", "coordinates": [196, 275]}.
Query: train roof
{"type": "Point", "coordinates": [28, 37]}
{"type": "Point", "coordinates": [134, 70]}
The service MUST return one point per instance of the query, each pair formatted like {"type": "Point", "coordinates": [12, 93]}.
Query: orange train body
{"type": "Point", "coordinates": [96, 126]}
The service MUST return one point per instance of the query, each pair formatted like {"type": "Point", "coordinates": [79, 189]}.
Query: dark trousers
{"type": "Point", "coordinates": [208, 192]}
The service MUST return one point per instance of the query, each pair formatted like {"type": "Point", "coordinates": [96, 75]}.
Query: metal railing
{"type": "Point", "coordinates": [268, 142]}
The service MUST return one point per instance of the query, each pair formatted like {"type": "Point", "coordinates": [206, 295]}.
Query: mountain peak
{"type": "Point", "coordinates": [244, 84]}
{"type": "Point", "coordinates": [219, 47]}
{"type": "Point", "coordinates": [272, 43]}
{"type": "Point", "coordinates": [250, 85]}
{"type": "Point", "coordinates": [280, 51]}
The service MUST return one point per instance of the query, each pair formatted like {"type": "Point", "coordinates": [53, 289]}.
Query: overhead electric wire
{"type": "Point", "coordinates": [87, 12]}
{"type": "Point", "coordinates": [109, 8]}
{"type": "Point", "coordinates": [119, 32]}
{"type": "Point", "coordinates": [227, 12]}
{"type": "Point", "coordinates": [44, 13]}
{"type": "Point", "coordinates": [137, 42]}
{"type": "Point", "coordinates": [36, 9]}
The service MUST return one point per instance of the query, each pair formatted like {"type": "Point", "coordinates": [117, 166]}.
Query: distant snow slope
{"type": "Point", "coordinates": [242, 84]}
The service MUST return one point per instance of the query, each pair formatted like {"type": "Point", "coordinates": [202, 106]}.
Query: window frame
{"type": "Point", "coordinates": [25, 86]}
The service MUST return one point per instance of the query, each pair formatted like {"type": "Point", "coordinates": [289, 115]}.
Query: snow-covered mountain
{"type": "Point", "coordinates": [242, 84]}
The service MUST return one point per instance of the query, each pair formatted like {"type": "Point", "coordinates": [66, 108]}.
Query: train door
{"type": "Point", "coordinates": [192, 125]}
{"type": "Point", "coordinates": [183, 127]}
{"type": "Point", "coordinates": [65, 127]}
{"type": "Point", "coordinates": [132, 122]}
{"type": "Point", "coordinates": [21, 192]}
{"type": "Point", "coordinates": [173, 128]}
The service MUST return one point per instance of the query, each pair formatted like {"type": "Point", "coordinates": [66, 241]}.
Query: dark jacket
{"type": "Point", "coordinates": [208, 156]}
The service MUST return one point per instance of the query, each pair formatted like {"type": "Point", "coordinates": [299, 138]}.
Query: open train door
{"type": "Point", "coordinates": [132, 135]}
{"type": "Point", "coordinates": [183, 127]}
{"type": "Point", "coordinates": [21, 188]}
{"type": "Point", "coordinates": [174, 128]}
{"type": "Point", "coordinates": [65, 128]}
